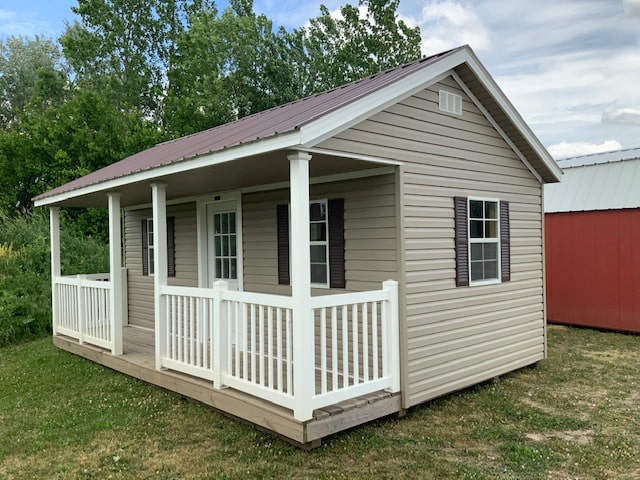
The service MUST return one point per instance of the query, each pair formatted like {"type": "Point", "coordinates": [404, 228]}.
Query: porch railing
{"type": "Point", "coordinates": [244, 340]}
{"type": "Point", "coordinates": [82, 308]}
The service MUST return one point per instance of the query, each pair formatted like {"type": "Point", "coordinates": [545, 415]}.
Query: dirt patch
{"type": "Point", "coordinates": [579, 437]}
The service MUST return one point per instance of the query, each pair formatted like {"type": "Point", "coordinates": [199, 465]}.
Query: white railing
{"type": "Point", "coordinates": [243, 340]}
{"type": "Point", "coordinates": [82, 308]}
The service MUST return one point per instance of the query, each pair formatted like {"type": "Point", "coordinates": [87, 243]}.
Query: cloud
{"type": "Point", "coordinates": [14, 23]}
{"type": "Point", "coordinates": [566, 149]}
{"type": "Point", "coordinates": [446, 24]}
{"type": "Point", "coordinates": [623, 116]}
{"type": "Point", "coordinates": [632, 7]}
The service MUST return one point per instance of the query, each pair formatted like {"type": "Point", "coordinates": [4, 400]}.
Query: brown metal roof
{"type": "Point", "coordinates": [269, 123]}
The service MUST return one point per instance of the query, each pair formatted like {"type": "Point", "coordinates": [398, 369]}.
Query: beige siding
{"type": "Point", "coordinates": [370, 246]}
{"type": "Point", "coordinates": [452, 336]}
{"type": "Point", "coordinates": [140, 287]}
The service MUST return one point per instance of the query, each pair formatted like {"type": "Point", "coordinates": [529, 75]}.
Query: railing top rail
{"type": "Point", "coordinates": [339, 299]}
{"type": "Point", "coordinates": [187, 291]}
{"type": "Point", "coordinates": [269, 300]}
{"type": "Point", "coordinates": [84, 282]}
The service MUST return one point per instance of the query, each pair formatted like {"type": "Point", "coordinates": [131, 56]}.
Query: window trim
{"type": "Point", "coordinates": [484, 240]}
{"type": "Point", "coordinates": [325, 242]}
{"type": "Point", "coordinates": [151, 267]}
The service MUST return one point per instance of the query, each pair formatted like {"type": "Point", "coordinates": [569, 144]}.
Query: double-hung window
{"type": "Point", "coordinates": [149, 252]}
{"type": "Point", "coordinates": [484, 240]}
{"type": "Point", "coordinates": [318, 225]}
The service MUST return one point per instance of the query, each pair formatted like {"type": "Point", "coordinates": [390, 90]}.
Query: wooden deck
{"type": "Point", "coordinates": [138, 361]}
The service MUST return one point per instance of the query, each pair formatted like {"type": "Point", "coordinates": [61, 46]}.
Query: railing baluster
{"type": "Point", "coordinates": [245, 353]}
{"type": "Point", "coordinates": [262, 356]}
{"type": "Point", "coordinates": [374, 335]}
{"type": "Point", "coordinates": [270, 342]}
{"type": "Point", "coordinates": [356, 356]}
{"type": "Point", "coordinates": [252, 358]}
{"type": "Point", "coordinates": [345, 346]}
{"type": "Point", "coordinates": [365, 341]}
{"type": "Point", "coordinates": [180, 330]}
{"type": "Point", "coordinates": [289, 349]}
{"type": "Point", "coordinates": [192, 336]}
{"type": "Point", "coordinates": [280, 358]}
{"type": "Point", "coordinates": [323, 349]}
{"type": "Point", "coordinates": [334, 348]}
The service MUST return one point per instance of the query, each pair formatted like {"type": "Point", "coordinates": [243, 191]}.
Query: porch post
{"type": "Point", "coordinates": [54, 227]}
{"type": "Point", "coordinates": [115, 273]}
{"type": "Point", "coordinates": [391, 347]}
{"type": "Point", "coordinates": [303, 331]}
{"type": "Point", "coordinates": [159, 201]}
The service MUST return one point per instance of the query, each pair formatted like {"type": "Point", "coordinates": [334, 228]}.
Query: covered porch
{"type": "Point", "coordinates": [295, 364]}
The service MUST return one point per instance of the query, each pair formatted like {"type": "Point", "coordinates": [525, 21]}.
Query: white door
{"type": "Point", "coordinates": [224, 244]}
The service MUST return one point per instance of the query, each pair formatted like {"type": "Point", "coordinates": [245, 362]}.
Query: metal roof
{"type": "Point", "coordinates": [603, 181]}
{"type": "Point", "coordinates": [266, 128]}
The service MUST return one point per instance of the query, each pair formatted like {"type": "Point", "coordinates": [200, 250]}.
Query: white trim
{"type": "Point", "coordinates": [54, 231]}
{"type": "Point", "coordinates": [354, 156]}
{"type": "Point", "coordinates": [337, 177]}
{"type": "Point", "coordinates": [115, 272]}
{"type": "Point", "coordinates": [279, 142]}
{"type": "Point", "coordinates": [158, 191]}
{"type": "Point", "coordinates": [484, 240]}
{"type": "Point", "coordinates": [492, 87]}
{"type": "Point", "coordinates": [495, 125]}
{"type": "Point", "coordinates": [355, 112]}
{"type": "Point", "coordinates": [202, 202]}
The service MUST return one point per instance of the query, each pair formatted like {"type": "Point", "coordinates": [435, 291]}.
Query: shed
{"type": "Point", "coordinates": [324, 263]}
{"type": "Point", "coordinates": [592, 233]}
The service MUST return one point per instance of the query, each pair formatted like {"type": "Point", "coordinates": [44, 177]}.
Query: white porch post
{"type": "Point", "coordinates": [115, 273]}
{"type": "Point", "coordinates": [220, 333]}
{"type": "Point", "coordinates": [54, 227]}
{"type": "Point", "coordinates": [159, 201]}
{"type": "Point", "coordinates": [391, 348]}
{"type": "Point", "coordinates": [303, 331]}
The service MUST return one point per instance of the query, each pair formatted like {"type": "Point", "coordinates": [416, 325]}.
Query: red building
{"type": "Point", "coordinates": [592, 242]}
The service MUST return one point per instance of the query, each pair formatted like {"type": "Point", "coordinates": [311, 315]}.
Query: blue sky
{"type": "Point", "coordinates": [570, 67]}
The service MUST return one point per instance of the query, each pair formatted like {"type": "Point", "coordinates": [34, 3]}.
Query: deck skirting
{"type": "Point", "coordinates": [138, 361]}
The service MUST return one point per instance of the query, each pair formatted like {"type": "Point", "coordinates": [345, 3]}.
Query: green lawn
{"type": "Point", "coordinates": [576, 415]}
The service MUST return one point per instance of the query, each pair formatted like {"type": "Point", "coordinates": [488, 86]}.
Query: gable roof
{"type": "Point", "coordinates": [304, 123]}
{"type": "Point", "coordinates": [603, 181]}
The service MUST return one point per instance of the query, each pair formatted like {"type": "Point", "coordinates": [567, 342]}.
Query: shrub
{"type": "Point", "coordinates": [25, 271]}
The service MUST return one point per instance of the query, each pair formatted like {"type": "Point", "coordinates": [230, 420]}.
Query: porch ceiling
{"type": "Point", "coordinates": [264, 169]}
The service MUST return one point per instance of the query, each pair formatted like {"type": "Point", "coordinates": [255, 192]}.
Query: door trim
{"type": "Point", "coordinates": [202, 204]}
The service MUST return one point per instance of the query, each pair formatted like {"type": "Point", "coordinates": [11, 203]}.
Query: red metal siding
{"type": "Point", "coordinates": [593, 268]}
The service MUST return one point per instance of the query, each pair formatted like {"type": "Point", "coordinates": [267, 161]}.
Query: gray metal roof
{"type": "Point", "coordinates": [604, 181]}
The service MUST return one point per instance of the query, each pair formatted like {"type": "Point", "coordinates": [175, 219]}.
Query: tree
{"type": "Point", "coordinates": [21, 59]}
{"type": "Point", "coordinates": [227, 66]}
{"type": "Point", "coordinates": [362, 41]}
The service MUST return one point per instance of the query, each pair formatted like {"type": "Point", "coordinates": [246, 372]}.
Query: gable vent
{"type": "Point", "coordinates": [450, 102]}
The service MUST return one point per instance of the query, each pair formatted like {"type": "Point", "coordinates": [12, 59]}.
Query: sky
{"type": "Point", "coordinates": [570, 67]}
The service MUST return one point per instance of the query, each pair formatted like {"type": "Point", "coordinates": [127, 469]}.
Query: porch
{"type": "Point", "coordinates": [351, 381]}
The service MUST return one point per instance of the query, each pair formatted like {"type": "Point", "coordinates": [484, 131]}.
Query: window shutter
{"type": "Point", "coordinates": [145, 249]}
{"type": "Point", "coordinates": [171, 247]}
{"type": "Point", "coordinates": [505, 242]}
{"type": "Point", "coordinates": [336, 243]}
{"type": "Point", "coordinates": [461, 241]}
{"type": "Point", "coordinates": [282, 216]}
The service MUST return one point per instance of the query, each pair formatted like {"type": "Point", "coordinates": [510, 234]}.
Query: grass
{"type": "Point", "coordinates": [573, 416]}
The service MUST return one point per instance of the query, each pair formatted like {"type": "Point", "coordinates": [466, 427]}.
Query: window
{"type": "Point", "coordinates": [150, 246]}
{"type": "Point", "coordinates": [326, 224]}
{"type": "Point", "coordinates": [224, 236]}
{"type": "Point", "coordinates": [319, 242]}
{"type": "Point", "coordinates": [482, 241]}
{"type": "Point", "coordinates": [148, 266]}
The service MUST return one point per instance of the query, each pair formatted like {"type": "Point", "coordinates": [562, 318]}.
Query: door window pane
{"type": "Point", "coordinates": [225, 246]}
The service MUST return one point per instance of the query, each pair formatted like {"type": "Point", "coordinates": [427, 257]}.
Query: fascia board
{"type": "Point", "coordinates": [287, 140]}
{"type": "Point", "coordinates": [495, 91]}
{"type": "Point", "coordinates": [359, 110]}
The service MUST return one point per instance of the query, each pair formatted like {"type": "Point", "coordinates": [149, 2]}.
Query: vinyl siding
{"type": "Point", "coordinates": [140, 287]}
{"type": "Point", "coordinates": [454, 337]}
{"type": "Point", "coordinates": [370, 246]}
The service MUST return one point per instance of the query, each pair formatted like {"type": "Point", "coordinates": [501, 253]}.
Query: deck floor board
{"type": "Point", "coordinates": [138, 360]}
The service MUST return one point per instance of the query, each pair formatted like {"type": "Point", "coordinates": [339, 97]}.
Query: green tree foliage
{"type": "Point", "coordinates": [361, 41]}
{"type": "Point", "coordinates": [25, 277]}
{"type": "Point", "coordinates": [226, 67]}
{"type": "Point", "coordinates": [21, 60]}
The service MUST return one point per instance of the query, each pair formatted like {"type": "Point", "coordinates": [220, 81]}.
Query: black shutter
{"type": "Point", "coordinates": [505, 242]}
{"type": "Point", "coordinates": [145, 249]}
{"type": "Point", "coordinates": [171, 247]}
{"type": "Point", "coordinates": [336, 243]}
{"type": "Point", "coordinates": [282, 217]}
{"type": "Point", "coordinates": [461, 241]}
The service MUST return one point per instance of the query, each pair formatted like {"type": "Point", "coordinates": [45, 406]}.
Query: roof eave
{"type": "Point", "coordinates": [279, 142]}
